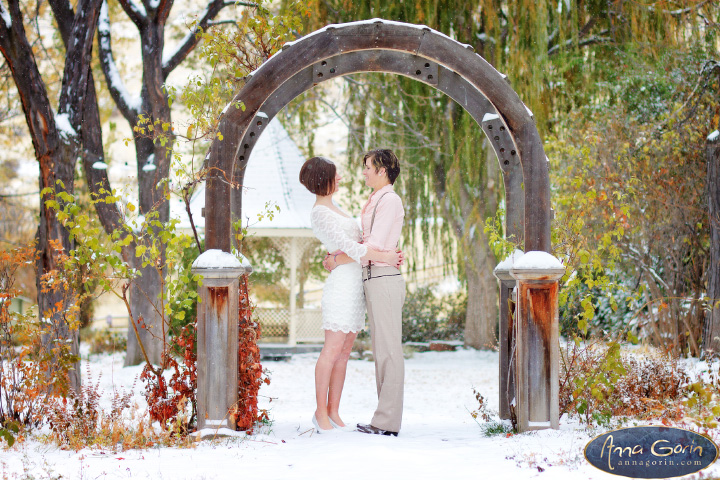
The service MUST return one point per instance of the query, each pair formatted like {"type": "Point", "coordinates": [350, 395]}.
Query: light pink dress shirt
{"type": "Point", "coordinates": [388, 221]}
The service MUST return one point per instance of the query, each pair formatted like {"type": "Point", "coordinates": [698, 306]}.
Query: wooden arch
{"type": "Point", "coordinates": [391, 47]}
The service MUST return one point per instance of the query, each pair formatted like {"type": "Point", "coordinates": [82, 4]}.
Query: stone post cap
{"type": "Point", "coordinates": [537, 265]}
{"type": "Point", "coordinates": [502, 271]}
{"type": "Point", "coordinates": [216, 263]}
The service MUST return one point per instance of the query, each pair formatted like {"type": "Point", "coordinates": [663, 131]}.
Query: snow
{"type": "Point", "coordinates": [439, 438]}
{"type": "Point", "coordinates": [168, 55]}
{"type": "Point", "coordinates": [214, 433]}
{"type": "Point", "coordinates": [138, 8]}
{"type": "Point", "coordinates": [136, 224]}
{"type": "Point", "coordinates": [5, 14]}
{"type": "Point", "coordinates": [713, 136]}
{"type": "Point", "coordinates": [538, 424]}
{"type": "Point", "coordinates": [510, 260]}
{"type": "Point", "coordinates": [227, 106]}
{"type": "Point", "coordinates": [62, 121]}
{"type": "Point", "coordinates": [537, 260]}
{"type": "Point", "coordinates": [116, 82]}
{"type": "Point", "coordinates": [529, 111]}
{"type": "Point", "coordinates": [214, 258]}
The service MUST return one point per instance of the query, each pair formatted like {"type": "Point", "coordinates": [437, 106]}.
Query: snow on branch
{"type": "Point", "coordinates": [214, 23]}
{"type": "Point", "coordinates": [241, 4]}
{"type": "Point", "coordinates": [128, 105]}
{"type": "Point", "coordinates": [679, 11]}
{"type": "Point", "coordinates": [77, 62]}
{"type": "Point", "coordinates": [592, 40]}
{"type": "Point", "coordinates": [5, 14]}
{"type": "Point", "coordinates": [136, 12]}
{"type": "Point", "coordinates": [62, 121]}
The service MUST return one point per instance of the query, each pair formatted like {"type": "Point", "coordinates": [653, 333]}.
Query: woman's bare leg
{"type": "Point", "coordinates": [334, 345]}
{"type": "Point", "coordinates": [337, 379]}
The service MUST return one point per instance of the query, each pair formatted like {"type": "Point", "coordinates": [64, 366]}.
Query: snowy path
{"type": "Point", "coordinates": [439, 438]}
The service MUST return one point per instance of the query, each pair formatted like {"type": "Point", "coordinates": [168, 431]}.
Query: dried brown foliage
{"type": "Point", "coordinates": [22, 385]}
{"type": "Point", "coordinates": [651, 389]}
{"type": "Point", "coordinates": [597, 382]}
{"type": "Point", "coordinates": [78, 420]}
{"type": "Point", "coordinates": [167, 399]}
{"type": "Point", "coordinates": [250, 372]}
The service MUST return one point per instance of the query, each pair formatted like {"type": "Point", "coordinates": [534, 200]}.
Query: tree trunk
{"type": "Point", "coordinates": [482, 299]}
{"type": "Point", "coordinates": [711, 337]}
{"type": "Point", "coordinates": [148, 288]}
{"type": "Point", "coordinates": [57, 145]}
{"type": "Point", "coordinates": [145, 306]}
{"type": "Point", "coordinates": [55, 298]}
{"type": "Point", "coordinates": [150, 21]}
{"type": "Point", "coordinates": [483, 311]}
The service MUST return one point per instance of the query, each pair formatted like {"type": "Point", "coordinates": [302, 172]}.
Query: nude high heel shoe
{"type": "Point", "coordinates": [346, 428]}
{"type": "Point", "coordinates": [317, 426]}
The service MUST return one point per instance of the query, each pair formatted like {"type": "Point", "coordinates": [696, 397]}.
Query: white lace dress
{"type": "Point", "coordinates": [343, 300]}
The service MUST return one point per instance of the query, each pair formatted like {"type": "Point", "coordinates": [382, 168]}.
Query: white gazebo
{"type": "Point", "coordinates": [272, 179]}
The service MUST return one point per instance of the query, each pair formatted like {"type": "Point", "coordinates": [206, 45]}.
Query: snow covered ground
{"type": "Point", "coordinates": [439, 438]}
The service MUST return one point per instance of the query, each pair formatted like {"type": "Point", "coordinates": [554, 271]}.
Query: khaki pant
{"type": "Point", "coordinates": [384, 298]}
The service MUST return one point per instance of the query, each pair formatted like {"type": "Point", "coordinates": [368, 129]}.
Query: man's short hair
{"type": "Point", "coordinates": [384, 158]}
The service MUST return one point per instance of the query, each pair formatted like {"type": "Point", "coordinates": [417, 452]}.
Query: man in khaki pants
{"type": "Point", "coordinates": [382, 221]}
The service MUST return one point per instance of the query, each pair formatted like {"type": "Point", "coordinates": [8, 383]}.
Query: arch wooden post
{"type": "Point", "coordinates": [217, 340]}
{"type": "Point", "coordinates": [413, 51]}
{"type": "Point", "coordinates": [514, 222]}
{"type": "Point", "coordinates": [506, 336]}
{"type": "Point", "coordinates": [537, 352]}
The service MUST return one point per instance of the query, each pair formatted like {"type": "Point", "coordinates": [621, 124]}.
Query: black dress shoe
{"type": "Point", "coordinates": [361, 427]}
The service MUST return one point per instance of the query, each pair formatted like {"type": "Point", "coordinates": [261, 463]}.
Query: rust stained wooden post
{"type": "Point", "coordinates": [507, 341]}
{"type": "Point", "coordinates": [217, 340]}
{"type": "Point", "coordinates": [511, 168]}
{"type": "Point", "coordinates": [537, 353]}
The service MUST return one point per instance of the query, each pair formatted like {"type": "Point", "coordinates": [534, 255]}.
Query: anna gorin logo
{"type": "Point", "coordinates": [651, 452]}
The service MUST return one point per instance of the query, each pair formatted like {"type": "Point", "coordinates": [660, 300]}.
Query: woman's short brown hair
{"type": "Point", "coordinates": [384, 158]}
{"type": "Point", "coordinates": [318, 176]}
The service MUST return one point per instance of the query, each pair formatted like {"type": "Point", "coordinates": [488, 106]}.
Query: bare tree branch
{"type": "Point", "coordinates": [681, 11]}
{"type": "Point", "coordinates": [136, 12]}
{"type": "Point", "coordinates": [215, 23]}
{"type": "Point", "coordinates": [587, 27]}
{"type": "Point", "coordinates": [163, 10]}
{"type": "Point", "coordinates": [241, 4]}
{"type": "Point", "coordinates": [191, 40]}
{"type": "Point", "coordinates": [108, 213]}
{"type": "Point", "coordinates": [128, 106]}
{"type": "Point", "coordinates": [593, 40]}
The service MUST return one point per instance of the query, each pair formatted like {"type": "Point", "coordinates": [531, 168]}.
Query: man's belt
{"type": "Point", "coordinates": [367, 273]}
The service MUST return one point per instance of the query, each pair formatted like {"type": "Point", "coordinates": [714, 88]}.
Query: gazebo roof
{"type": "Point", "coordinates": [271, 178]}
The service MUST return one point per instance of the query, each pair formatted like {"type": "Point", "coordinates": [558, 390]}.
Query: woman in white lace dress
{"type": "Point", "coordinates": [343, 301]}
